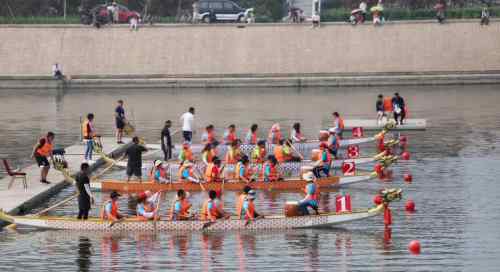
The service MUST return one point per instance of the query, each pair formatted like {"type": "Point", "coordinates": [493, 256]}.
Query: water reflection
{"type": "Point", "coordinates": [84, 254]}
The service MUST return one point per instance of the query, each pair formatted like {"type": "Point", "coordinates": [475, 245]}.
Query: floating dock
{"type": "Point", "coordinates": [367, 124]}
{"type": "Point", "coordinates": [17, 200]}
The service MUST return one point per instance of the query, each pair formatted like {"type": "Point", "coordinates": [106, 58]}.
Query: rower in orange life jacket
{"type": "Point", "coordinates": [270, 170]}
{"type": "Point", "coordinates": [240, 200]}
{"type": "Point", "coordinates": [278, 151]}
{"type": "Point", "coordinates": [274, 134]}
{"type": "Point", "coordinates": [251, 137]}
{"type": "Point", "coordinates": [111, 209]}
{"type": "Point", "coordinates": [296, 134]}
{"type": "Point", "coordinates": [213, 171]}
{"type": "Point", "coordinates": [186, 154]}
{"type": "Point", "coordinates": [158, 173]}
{"type": "Point", "coordinates": [230, 135]}
{"type": "Point", "coordinates": [259, 152]}
{"type": "Point", "coordinates": [311, 191]}
{"type": "Point", "coordinates": [208, 153]}
{"type": "Point", "coordinates": [233, 155]}
{"type": "Point", "coordinates": [186, 173]}
{"type": "Point", "coordinates": [211, 209]}
{"type": "Point", "coordinates": [338, 124]}
{"type": "Point", "coordinates": [243, 171]}
{"type": "Point", "coordinates": [208, 137]}
{"type": "Point", "coordinates": [180, 209]}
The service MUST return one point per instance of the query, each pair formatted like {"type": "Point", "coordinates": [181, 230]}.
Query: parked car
{"type": "Point", "coordinates": [124, 14]}
{"type": "Point", "coordinates": [222, 10]}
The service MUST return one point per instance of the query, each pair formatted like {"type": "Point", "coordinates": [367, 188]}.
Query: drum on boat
{"type": "Point", "coordinates": [315, 154]}
{"type": "Point", "coordinates": [292, 209]}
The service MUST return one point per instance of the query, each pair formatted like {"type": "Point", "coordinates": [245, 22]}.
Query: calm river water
{"type": "Point", "coordinates": [455, 164]}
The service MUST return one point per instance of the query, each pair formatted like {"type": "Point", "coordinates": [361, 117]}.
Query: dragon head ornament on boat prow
{"type": "Point", "coordinates": [392, 194]}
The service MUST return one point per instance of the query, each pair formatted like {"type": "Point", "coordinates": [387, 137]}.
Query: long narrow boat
{"type": "Point", "coordinates": [304, 148]}
{"type": "Point", "coordinates": [270, 222]}
{"type": "Point", "coordinates": [232, 185]}
{"type": "Point", "coordinates": [294, 167]}
{"type": "Point", "coordinates": [266, 223]}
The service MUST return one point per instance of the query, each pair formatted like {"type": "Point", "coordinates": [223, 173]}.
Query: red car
{"type": "Point", "coordinates": [124, 14]}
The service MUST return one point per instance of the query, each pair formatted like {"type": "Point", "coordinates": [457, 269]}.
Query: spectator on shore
{"type": "Point", "coordinates": [316, 20]}
{"type": "Point", "coordinates": [440, 8]}
{"type": "Point", "coordinates": [398, 105]}
{"type": "Point", "coordinates": [133, 23]}
{"type": "Point", "coordinates": [187, 120]}
{"type": "Point", "coordinates": [196, 11]}
{"type": "Point", "coordinates": [57, 71]}
{"type": "Point", "coordinates": [116, 13]}
{"type": "Point", "coordinates": [485, 16]}
{"type": "Point", "coordinates": [377, 15]}
{"type": "Point", "coordinates": [379, 107]}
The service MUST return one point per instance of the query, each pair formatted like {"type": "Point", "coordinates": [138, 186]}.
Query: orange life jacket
{"type": "Point", "coordinates": [152, 173]}
{"type": "Point", "coordinates": [45, 149]}
{"type": "Point", "coordinates": [259, 155]}
{"type": "Point", "coordinates": [209, 173]}
{"type": "Point", "coordinates": [253, 138]}
{"type": "Point", "coordinates": [114, 210]}
{"type": "Point", "coordinates": [250, 211]}
{"type": "Point", "coordinates": [339, 122]}
{"type": "Point", "coordinates": [210, 154]}
{"type": "Point", "coordinates": [207, 214]}
{"type": "Point", "coordinates": [230, 137]}
{"type": "Point", "coordinates": [87, 131]}
{"type": "Point", "coordinates": [278, 153]}
{"type": "Point", "coordinates": [388, 104]}
{"type": "Point", "coordinates": [187, 154]}
{"type": "Point", "coordinates": [184, 212]}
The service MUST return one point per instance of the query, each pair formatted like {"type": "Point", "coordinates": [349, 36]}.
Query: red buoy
{"type": "Point", "coordinates": [414, 247]}
{"type": "Point", "coordinates": [408, 177]}
{"type": "Point", "coordinates": [377, 200]}
{"type": "Point", "coordinates": [410, 206]}
{"type": "Point", "coordinates": [403, 140]}
{"type": "Point", "coordinates": [378, 168]}
{"type": "Point", "coordinates": [405, 155]}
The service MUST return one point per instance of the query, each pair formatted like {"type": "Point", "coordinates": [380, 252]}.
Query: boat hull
{"type": "Point", "coordinates": [290, 184]}
{"type": "Point", "coordinates": [274, 222]}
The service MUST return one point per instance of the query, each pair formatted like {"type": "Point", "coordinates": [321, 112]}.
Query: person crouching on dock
{"type": "Point", "coordinates": [41, 152]}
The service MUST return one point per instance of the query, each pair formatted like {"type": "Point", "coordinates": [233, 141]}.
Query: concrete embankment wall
{"type": "Point", "coordinates": [256, 50]}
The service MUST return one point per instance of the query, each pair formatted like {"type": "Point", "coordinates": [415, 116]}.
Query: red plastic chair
{"type": "Point", "coordinates": [15, 174]}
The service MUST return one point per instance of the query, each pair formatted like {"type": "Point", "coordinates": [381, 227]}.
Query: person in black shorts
{"type": "Point", "coordinates": [166, 141]}
{"type": "Point", "coordinates": [134, 163]}
{"type": "Point", "coordinates": [41, 152]}
{"type": "Point", "coordinates": [120, 121]}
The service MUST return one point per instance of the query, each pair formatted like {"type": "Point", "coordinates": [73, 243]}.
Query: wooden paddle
{"type": "Point", "coordinates": [58, 204]}
{"type": "Point", "coordinates": [157, 209]}
{"type": "Point", "coordinates": [295, 150]}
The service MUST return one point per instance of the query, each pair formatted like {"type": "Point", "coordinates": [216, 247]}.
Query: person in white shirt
{"type": "Point", "coordinates": [187, 120]}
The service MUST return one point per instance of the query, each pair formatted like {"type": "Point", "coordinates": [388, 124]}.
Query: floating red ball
{"type": "Point", "coordinates": [405, 155]}
{"type": "Point", "coordinates": [414, 247]}
{"type": "Point", "coordinates": [377, 200]}
{"type": "Point", "coordinates": [408, 177]}
{"type": "Point", "coordinates": [403, 139]}
{"type": "Point", "coordinates": [378, 168]}
{"type": "Point", "coordinates": [410, 206]}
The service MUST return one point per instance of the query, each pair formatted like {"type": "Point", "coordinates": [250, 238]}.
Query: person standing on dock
{"type": "Point", "coordinates": [85, 198]}
{"type": "Point", "coordinates": [398, 106]}
{"type": "Point", "coordinates": [379, 107]}
{"type": "Point", "coordinates": [120, 121]}
{"type": "Point", "coordinates": [88, 131]}
{"type": "Point", "coordinates": [41, 152]}
{"type": "Point", "coordinates": [166, 141]}
{"type": "Point", "coordinates": [338, 124]}
{"type": "Point", "coordinates": [251, 137]}
{"type": "Point", "coordinates": [187, 120]}
{"type": "Point", "coordinates": [134, 163]}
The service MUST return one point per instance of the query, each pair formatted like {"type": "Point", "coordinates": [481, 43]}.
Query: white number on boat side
{"type": "Point", "coordinates": [349, 168]}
